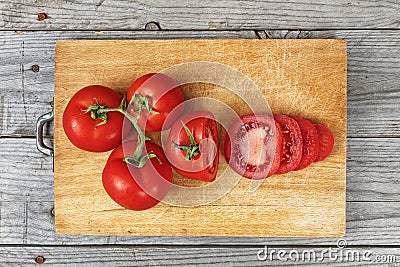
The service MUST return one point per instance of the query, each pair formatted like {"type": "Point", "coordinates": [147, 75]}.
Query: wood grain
{"type": "Point", "coordinates": [30, 223]}
{"type": "Point", "coordinates": [368, 223]}
{"type": "Point", "coordinates": [373, 70]}
{"type": "Point", "coordinates": [204, 15]}
{"type": "Point", "coordinates": [306, 203]}
{"type": "Point", "coordinates": [26, 178]}
{"type": "Point", "coordinates": [188, 256]}
{"type": "Point", "coordinates": [13, 222]}
{"type": "Point", "coordinates": [370, 175]}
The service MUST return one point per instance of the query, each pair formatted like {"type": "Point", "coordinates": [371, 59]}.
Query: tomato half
{"type": "Point", "coordinates": [158, 97]}
{"type": "Point", "coordinates": [137, 188]}
{"type": "Point", "coordinates": [85, 132]}
{"type": "Point", "coordinates": [310, 142]}
{"type": "Point", "coordinates": [253, 146]}
{"type": "Point", "coordinates": [326, 142]}
{"type": "Point", "coordinates": [194, 159]}
{"type": "Point", "coordinates": [292, 143]}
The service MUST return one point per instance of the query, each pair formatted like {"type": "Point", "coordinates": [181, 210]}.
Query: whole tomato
{"type": "Point", "coordinates": [155, 96]}
{"type": "Point", "coordinates": [137, 188]}
{"type": "Point", "coordinates": [192, 146]}
{"type": "Point", "coordinates": [88, 131]}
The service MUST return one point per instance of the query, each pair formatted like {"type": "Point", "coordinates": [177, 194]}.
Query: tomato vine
{"type": "Point", "coordinates": [98, 111]}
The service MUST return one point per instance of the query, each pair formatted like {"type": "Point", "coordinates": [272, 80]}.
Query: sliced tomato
{"type": "Point", "coordinates": [195, 159]}
{"type": "Point", "coordinates": [278, 150]}
{"type": "Point", "coordinates": [253, 145]}
{"type": "Point", "coordinates": [292, 143]}
{"type": "Point", "coordinates": [326, 142]}
{"type": "Point", "coordinates": [310, 142]}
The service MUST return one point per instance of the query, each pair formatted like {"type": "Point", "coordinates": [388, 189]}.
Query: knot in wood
{"type": "Point", "coordinates": [152, 26]}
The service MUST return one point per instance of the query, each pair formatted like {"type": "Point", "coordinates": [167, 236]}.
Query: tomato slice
{"type": "Point", "coordinates": [326, 142]}
{"type": "Point", "coordinates": [252, 146]}
{"type": "Point", "coordinates": [292, 143]}
{"type": "Point", "coordinates": [310, 142]}
{"type": "Point", "coordinates": [278, 150]}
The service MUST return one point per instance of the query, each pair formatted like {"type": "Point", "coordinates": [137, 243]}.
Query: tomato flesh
{"type": "Point", "coordinates": [251, 146]}
{"type": "Point", "coordinates": [278, 150]}
{"type": "Point", "coordinates": [292, 144]}
{"type": "Point", "coordinates": [310, 142]}
{"type": "Point", "coordinates": [326, 142]}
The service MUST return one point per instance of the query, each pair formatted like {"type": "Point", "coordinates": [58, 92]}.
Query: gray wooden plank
{"type": "Point", "coordinates": [25, 173]}
{"type": "Point", "coordinates": [372, 164]}
{"type": "Point", "coordinates": [372, 169]}
{"type": "Point", "coordinates": [198, 15]}
{"type": "Point", "coordinates": [373, 105]}
{"type": "Point", "coordinates": [256, 256]}
{"type": "Point", "coordinates": [206, 256]}
{"type": "Point", "coordinates": [373, 84]}
{"type": "Point", "coordinates": [368, 223]}
{"type": "Point", "coordinates": [13, 224]}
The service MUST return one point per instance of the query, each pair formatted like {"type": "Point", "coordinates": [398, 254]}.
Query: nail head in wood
{"type": "Point", "coordinates": [35, 68]}
{"type": "Point", "coordinates": [39, 259]}
{"type": "Point", "coordinates": [42, 16]}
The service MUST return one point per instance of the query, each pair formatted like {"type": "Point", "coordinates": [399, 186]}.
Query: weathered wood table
{"type": "Point", "coordinates": [29, 30]}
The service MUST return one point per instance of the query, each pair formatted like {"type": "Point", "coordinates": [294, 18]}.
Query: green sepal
{"type": "Point", "coordinates": [141, 103]}
{"type": "Point", "coordinates": [193, 149]}
{"type": "Point", "coordinates": [97, 111]}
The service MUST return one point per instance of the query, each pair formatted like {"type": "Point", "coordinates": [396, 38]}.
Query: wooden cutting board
{"type": "Point", "coordinates": [299, 77]}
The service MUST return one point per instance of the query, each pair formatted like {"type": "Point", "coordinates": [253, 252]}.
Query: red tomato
{"type": "Point", "coordinates": [278, 150]}
{"type": "Point", "coordinates": [195, 159]}
{"type": "Point", "coordinates": [292, 143]}
{"type": "Point", "coordinates": [326, 142]}
{"type": "Point", "coordinates": [310, 142]}
{"type": "Point", "coordinates": [162, 95]}
{"type": "Point", "coordinates": [137, 188]}
{"type": "Point", "coordinates": [85, 132]}
{"type": "Point", "coordinates": [248, 147]}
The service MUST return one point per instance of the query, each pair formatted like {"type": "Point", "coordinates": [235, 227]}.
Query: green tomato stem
{"type": "Point", "coordinates": [95, 112]}
{"type": "Point", "coordinates": [193, 149]}
{"type": "Point", "coordinates": [141, 103]}
{"type": "Point", "coordinates": [100, 111]}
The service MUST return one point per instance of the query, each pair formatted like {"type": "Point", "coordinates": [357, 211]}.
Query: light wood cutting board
{"type": "Point", "coordinates": [299, 77]}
